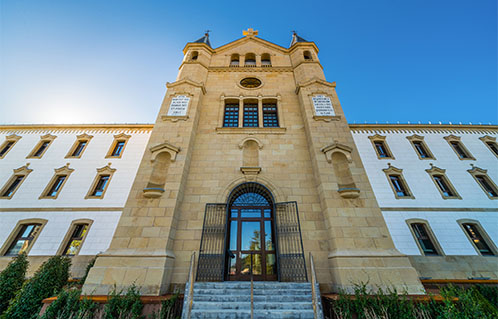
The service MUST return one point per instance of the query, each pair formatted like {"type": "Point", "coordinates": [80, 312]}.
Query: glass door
{"type": "Point", "coordinates": [251, 244]}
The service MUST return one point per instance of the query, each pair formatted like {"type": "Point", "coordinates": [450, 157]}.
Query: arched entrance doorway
{"type": "Point", "coordinates": [251, 241]}
{"type": "Point", "coordinates": [249, 224]}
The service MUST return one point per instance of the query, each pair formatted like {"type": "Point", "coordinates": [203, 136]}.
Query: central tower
{"type": "Point", "coordinates": [251, 155]}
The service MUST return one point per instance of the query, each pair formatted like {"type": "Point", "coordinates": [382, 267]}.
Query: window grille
{"type": "Point", "coordinates": [250, 115]}
{"type": "Point", "coordinates": [231, 117]}
{"type": "Point", "coordinates": [270, 115]}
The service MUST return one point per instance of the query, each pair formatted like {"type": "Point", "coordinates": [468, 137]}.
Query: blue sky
{"type": "Point", "coordinates": [108, 61]}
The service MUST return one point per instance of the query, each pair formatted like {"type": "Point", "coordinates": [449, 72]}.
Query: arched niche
{"type": "Point", "coordinates": [339, 155]}
{"type": "Point", "coordinates": [162, 156]}
{"type": "Point", "coordinates": [250, 156]}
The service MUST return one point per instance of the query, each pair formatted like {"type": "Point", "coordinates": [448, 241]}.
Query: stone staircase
{"type": "Point", "coordinates": [233, 300]}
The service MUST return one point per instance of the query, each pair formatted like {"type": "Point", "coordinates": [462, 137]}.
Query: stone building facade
{"type": "Point", "coordinates": [251, 159]}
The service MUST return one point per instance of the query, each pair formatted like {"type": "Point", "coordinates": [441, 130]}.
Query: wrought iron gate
{"type": "Point", "coordinates": [291, 263]}
{"type": "Point", "coordinates": [210, 266]}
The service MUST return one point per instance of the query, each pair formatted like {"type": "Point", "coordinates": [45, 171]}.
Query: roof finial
{"type": "Point", "coordinates": [207, 33]}
{"type": "Point", "coordinates": [250, 32]}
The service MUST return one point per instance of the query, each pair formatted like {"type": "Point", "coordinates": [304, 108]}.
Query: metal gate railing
{"type": "Point", "coordinates": [211, 262]}
{"type": "Point", "coordinates": [291, 262]}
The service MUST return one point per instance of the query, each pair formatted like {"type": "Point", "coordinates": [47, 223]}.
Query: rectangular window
{"type": "Point", "coordinates": [477, 239]}
{"type": "Point", "coordinates": [270, 116]}
{"type": "Point", "coordinates": [100, 186]}
{"type": "Point", "coordinates": [24, 239]}
{"type": "Point", "coordinates": [443, 185]}
{"type": "Point", "coordinates": [422, 152]}
{"type": "Point", "coordinates": [459, 150]}
{"type": "Point", "coordinates": [231, 118]}
{"type": "Point", "coordinates": [118, 148]}
{"type": "Point", "coordinates": [74, 243]}
{"type": "Point", "coordinates": [41, 149]}
{"type": "Point", "coordinates": [79, 148]}
{"type": "Point", "coordinates": [250, 115]}
{"type": "Point", "coordinates": [486, 185]}
{"type": "Point", "coordinates": [492, 146]}
{"type": "Point", "coordinates": [9, 191]}
{"type": "Point", "coordinates": [398, 185]}
{"type": "Point", "coordinates": [381, 149]}
{"type": "Point", "coordinates": [56, 186]}
{"type": "Point", "coordinates": [6, 148]}
{"type": "Point", "coordinates": [425, 242]}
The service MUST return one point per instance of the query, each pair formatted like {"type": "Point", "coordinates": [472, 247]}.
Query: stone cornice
{"type": "Point", "coordinates": [409, 128]}
{"type": "Point", "coordinates": [250, 69]}
{"type": "Point", "coordinates": [44, 127]}
{"type": "Point", "coordinates": [197, 45]}
{"type": "Point", "coordinates": [314, 81]}
{"type": "Point", "coordinates": [251, 38]}
{"type": "Point", "coordinates": [188, 82]}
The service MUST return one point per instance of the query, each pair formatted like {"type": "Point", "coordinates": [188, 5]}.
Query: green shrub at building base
{"type": "Point", "coordinates": [170, 309]}
{"type": "Point", "coordinates": [69, 304]}
{"type": "Point", "coordinates": [475, 302]}
{"type": "Point", "coordinates": [46, 282]}
{"type": "Point", "coordinates": [11, 280]}
{"type": "Point", "coordinates": [127, 306]}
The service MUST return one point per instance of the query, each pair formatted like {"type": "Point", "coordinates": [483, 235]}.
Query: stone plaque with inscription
{"type": "Point", "coordinates": [179, 106]}
{"type": "Point", "coordinates": [323, 105]}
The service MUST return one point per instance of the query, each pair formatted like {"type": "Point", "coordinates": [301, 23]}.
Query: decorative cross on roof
{"type": "Point", "coordinates": [250, 32]}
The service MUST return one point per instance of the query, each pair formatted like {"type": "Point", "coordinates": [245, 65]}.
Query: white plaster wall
{"type": "Point", "coordinates": [419, 182]}
{"type": "Point", "coordinates": [443, 223]}
{"type": "Point", "coordinates": [85, 168]}
{"type": "Point", "coordinates": [59, 222]}
{"type": "Point", "coordinates": [74, 191]}
{"type": "Point", "coordinates": [445, 227]}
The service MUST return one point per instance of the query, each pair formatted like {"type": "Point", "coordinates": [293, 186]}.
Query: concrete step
{"type": "Point", "coordinates": [231, 314]}
{"type": "Point", "coordinates": [247, 297]}
{"type": "Point", "coordinates": [257, 292]}
{"type": "Point", "coordinates": [221, 314]}
{"type": "Point", "coordinates": [279, 314]}
{"type": "Point", "coordinates": [209, 305]}
{"type": "Point", "coordinates": [257, 284]}
{"type": "Point", "coordinates": [232, 300]}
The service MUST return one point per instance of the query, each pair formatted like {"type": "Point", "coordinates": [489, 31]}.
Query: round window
{"type": "Point", "coordinates": [250, 83]}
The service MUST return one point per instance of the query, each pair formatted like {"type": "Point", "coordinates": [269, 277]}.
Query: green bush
{"type": "Point", "coordinates": [69, 304]}
{"type": "Point", "coordinates": [127, 306]}
{"type": "Point", "coordinates": [457, 303]}
{"type": "Point", "coordinates": [170, 309]}
{"type": "Point", "coordinates": [11, 280]}
{"type": "Point", "coordinates": [46, 282]}
{"type": "Point", "coordinates": [490, 293]}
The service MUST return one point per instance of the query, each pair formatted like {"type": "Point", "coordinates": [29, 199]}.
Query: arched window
{"type": "Point", "coordinates": [234, 60]}
{"type": "Point", "coordinates": [478, 237]}
{"type": "Point", "coordinates": [265, 60]}
{"type": "Point", "coordinates": [194, 56]}
{"type": "Point", "coordinates": [424, 237]}
{"type": "Point", "coordinates": [308, 56]}
{"type": "Point", "coordinates": [250, 228]}
{"type": "Point", "coordinates": [250, 60]}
